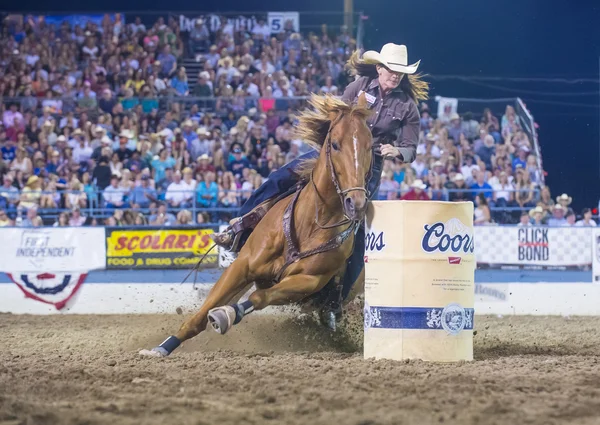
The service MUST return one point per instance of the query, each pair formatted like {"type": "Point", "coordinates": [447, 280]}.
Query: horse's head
{"type": "Point", "coordinates": [347, 150]}
{"type": "Point", "coordinates": [341, 132]}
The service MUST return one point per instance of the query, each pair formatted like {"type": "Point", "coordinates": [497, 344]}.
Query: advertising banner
{"type": "Point", "coordinates": [158, 248]}
{"type": "Point", "coordinates": [595, 241]}
{"type": "Point", "coordinates": [50, 264]}
{"type": "Point", "coordinates": [275, 20]}
{"type": "Point", "coordinates": [531, 247]}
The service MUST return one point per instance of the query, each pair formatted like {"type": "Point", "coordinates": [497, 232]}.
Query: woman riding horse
{"type": "Point", "coordinates": [392, 92]}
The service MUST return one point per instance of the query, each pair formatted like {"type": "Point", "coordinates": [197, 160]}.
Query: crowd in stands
{"type": "Point", "coordinates": [100, 126]}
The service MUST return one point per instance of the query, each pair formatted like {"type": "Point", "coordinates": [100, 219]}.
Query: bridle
{"type": "Point", "coordinates": [334, 179]}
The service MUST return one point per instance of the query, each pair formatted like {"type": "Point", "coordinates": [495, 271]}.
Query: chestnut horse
{"type": "Point", "coordinates": [290, 262]}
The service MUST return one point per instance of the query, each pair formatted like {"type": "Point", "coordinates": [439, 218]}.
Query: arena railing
{"type": "Point", "coordinates": [95, 205]}
{"type": "Point", "coordinates": [163, 103]}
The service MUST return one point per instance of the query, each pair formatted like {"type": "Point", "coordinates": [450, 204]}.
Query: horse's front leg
{"type": "Point", "coordinates": [231, 283]}
{"type": "Point", "coordinates": [290, 289]}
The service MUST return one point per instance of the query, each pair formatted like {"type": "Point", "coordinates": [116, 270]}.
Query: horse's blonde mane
{"type": "Point", "coordinates": [314, 124]}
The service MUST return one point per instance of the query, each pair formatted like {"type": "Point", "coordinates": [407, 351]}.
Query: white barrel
{"type": "Point", "coordinates": [419, 281]}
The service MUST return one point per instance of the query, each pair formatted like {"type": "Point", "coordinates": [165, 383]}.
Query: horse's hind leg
{"type": "Point", "coordinates": [231, 283]}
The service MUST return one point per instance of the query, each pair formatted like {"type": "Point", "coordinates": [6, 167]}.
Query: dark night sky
{"type": "Point", "coordinates": [510, 38]}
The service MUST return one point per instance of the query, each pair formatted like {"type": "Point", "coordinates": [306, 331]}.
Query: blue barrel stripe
{"type": "Point", "coordinates": [452, 318]}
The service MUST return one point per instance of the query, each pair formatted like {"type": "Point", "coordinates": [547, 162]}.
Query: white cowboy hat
{"type": "Point", "coordinates": [534, 211]}
{"type": "Point", "coordinates": [564, 197]}
{"type": "Point", "coordinates": [393, 56]}
{"type": "Point", "coordinates": [418, 184]}
{"type": "Point", "coordinates": [458, 177]}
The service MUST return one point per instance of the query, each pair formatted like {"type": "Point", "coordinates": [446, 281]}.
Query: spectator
{"type": "Point", "coordinates": [76, 219]}
{"type": "Point", "coordinates": [570, 218]}
{"type": "Point", "coordinates": [177, 193]}
{"type": "Point", "coordinates": [437, 191]}
{"type": "Point", "coordinates": [239, 162]}
{"type": "Point", "coordinates": [184, 218]}
{"type": "Point", "coordinates": [9, 195]}
{"type": "Point", "coordinates": [537, 215]}
{"type": "Point", "coordinates": [455, 128]}
{"type": "Point", "coordinates": [32, 219]}
{"type": "Point", "coordinates": [102, 173]}
{"type": "Point", "coordinates": [416, 193]}
{"type": "Point", "coordinates": [208, 191]}
{"type": "Point", "coordinates": [4, 219]}
{"type": "Point", "coordinates": [470, 127]}
{"type": "Point", "coordinates": [546, 201]}
{"type": "Point", "coordinates": [114, 196]}
{"type": "Point", "coordinates": [503, 196]}
{"type": "Point", "coordinates": [179, 83]}
{"type": "Point", "coordinates": [198, 38]}
{"type": "Point", "coordinates": [564, 200]}
{"type": "Point", "coordinates": [76, 197]}
{"type": "Point", "coordinates": [558, 216]}
{"type": "Point", "coordinates": [587, 219]}
{"type": "Point", "coordinates": [524, 190]}
{"type": "Point", "coordinates": [524, 221]}
{"type": "Point", "coordinates": [162, 217]}
{"type": "Point", "coordinates": [143, 194]}
{"type": "Point", "coordinates": [481, 186]}
{"type": "Point", "coordinates": [521, 160]}
{"type": "Point", "coordinates": [202, 88]}
{"type": "Point", "coordinates": [487, 151]}
{"type": "Point", "coordinates": [62, 221]}
{"type": "Point", "coordinates": [160, 165]}
{"type": "Point", "coordinates": [167, 62]}
{"type": "Point", "coordinates": [458, 190]}
{"type": "Point", "coordinates": [31, 193]}
{"type": "Point", "coordinates": [482, 210]}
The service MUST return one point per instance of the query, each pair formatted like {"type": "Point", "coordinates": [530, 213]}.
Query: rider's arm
{"type": "Point", "coordinates": [408, 138]}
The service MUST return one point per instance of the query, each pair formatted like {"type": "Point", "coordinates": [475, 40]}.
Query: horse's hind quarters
{"type": "Point", "coordinates": [221, 319]}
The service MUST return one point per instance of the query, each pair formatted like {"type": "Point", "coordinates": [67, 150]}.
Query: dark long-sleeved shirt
{"type": "Point", "coordinates": [395, 118]}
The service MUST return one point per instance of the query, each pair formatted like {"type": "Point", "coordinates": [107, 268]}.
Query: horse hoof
{"type": "Point", "coordinates": [328, 319]}
{"type": "Point", "coordinates": [221, 318]}
{"type": "Point", "coordinates": [158, 352]}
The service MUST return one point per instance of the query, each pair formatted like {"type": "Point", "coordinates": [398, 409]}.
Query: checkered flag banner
{"type": "Point", "coordinates": [533, 247]}
{"type": "Point", "coordinates": [596, 255]}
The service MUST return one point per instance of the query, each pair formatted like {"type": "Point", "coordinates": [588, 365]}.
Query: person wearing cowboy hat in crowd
{"type": "Point", "coordinates": [416, 192]}
{"type": "Point", "coordinates": [392, 90]}
{"type": "Point", "coordinates": [558, 216]}
{"type": "Point", "coordinates": [537, 215]}
{"type": "Point", "coordinates": [123, 151]}
{"type": "Point", "coordinates": [204, 164]}
{"type": "Point", "coordinates": [31, 193]}
{"type": "Point", "coordinates": [458, 190]}
{"type": "Point", "coordinates": [564, 200]}
{"type": "Point", "coordinates": [586, 221]}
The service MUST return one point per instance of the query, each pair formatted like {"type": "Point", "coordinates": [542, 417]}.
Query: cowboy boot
{"type": "Point", "coordinates": [226, 238]}
{"type": "Point", "coordinates": [230, 238]}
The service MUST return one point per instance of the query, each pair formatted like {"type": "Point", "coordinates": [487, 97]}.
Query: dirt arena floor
{"type": "Point", "coordinates": [85, 370]}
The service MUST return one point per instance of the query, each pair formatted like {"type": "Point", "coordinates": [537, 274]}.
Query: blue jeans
{"type": "Point", "coordinates": [285, 179]}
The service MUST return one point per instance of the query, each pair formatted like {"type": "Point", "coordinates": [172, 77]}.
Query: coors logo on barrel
{"type": "Point", "coordinates": [449, 237]}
